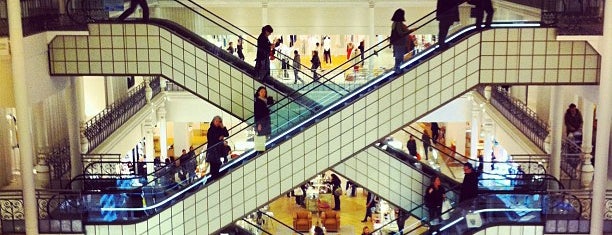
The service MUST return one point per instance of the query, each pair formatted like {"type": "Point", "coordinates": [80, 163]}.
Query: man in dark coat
{"type": "Point", "coordinates": [426, 144]}
{"type": "Point", "coordinates": [483, 6]}
{"type": "Point", "coordinates": [447, 12]}
{"type": "Point", "coordinates": [469, 187]}
{"type": "Point", "coordinates": [262, 60]}
{"type": "Point", "coordinates": [411, 145]}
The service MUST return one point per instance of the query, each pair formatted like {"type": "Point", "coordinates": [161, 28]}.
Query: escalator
{"type": "Point", "coordinates": [173, 51]}
{"type": "Point", "coordinates": [350, 125]}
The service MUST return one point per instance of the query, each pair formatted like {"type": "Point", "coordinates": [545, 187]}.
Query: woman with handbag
{"type": "Point", "coordinates": [216, 133]}
{"type": "Point", "coordinates": [262, 112]}
{"type": "Point", "coordinates": [399, 38]}
{"type": "Point", "coordinates": [434, 196]}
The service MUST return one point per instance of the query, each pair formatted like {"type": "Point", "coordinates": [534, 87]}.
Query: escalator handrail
{"type": "Point", "coordinates": [282, 55]}
{"type": "Point", "coordinates": [256, 226]}
{"type": "Point", "coordinates": [464, 157]}
{"type": "Point", "coordinates": [320, 83]}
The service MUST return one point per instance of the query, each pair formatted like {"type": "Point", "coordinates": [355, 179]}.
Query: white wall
{"type": "Point", "coordinates": [38, 81]}
{"type": "Point", "coordinates": [95, 95]}
{"type": "Point", "coordinates": [458, 110]}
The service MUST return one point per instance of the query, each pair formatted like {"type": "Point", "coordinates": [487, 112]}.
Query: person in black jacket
{"type": "Point", "coordinates": [447, 12]}
{"type": "Point", "coordinates": [426, 144]}
{"type": "Point", "coordinates": [335, 182]}
{"type": "Point", "coordinates": [469, 187]}
{"type": "Point", "coordinates": [434, 196]}
{"type": "Point", "coordinates": [262, 61]}
{"type": "Point", "coordinates": [216, 133]}
{"type": "Point", "coordinates": [316, 63]}
{"type": "Point", "coordinates": [483, 6]}
{"type": "Point", "coordinates": [263, 125]}
{"type": "Point", "coordinates": [133, 4]}
{"type": "Point", "coordinates": [411, 145]}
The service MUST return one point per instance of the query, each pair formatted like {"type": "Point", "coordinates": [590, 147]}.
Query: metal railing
{"type": "Point", "coordinates": [519, 115]}
{"type": "Point", "coordinates": [571, 17]}
{"type": "Point", "coordinates": [571, 160]}
{"type": "Point", "coordinates": [58, 212]}
{"type": "Point", "coordinates": [113, 116]}
{"type": "Point", "coordinates": [38, 16]}
{"type": "Point", "coordinates": [58, 158]}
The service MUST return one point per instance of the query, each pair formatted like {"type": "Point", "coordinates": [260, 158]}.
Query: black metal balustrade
{"type": "Point", "coordinates": [519, 115]}
{"type": "Point", "coordinates": [110, 119]}
{"type": "Point", "coordinates": [58, 158]}
{"type": "Point", "coordinates": [571, 17]}
{"type": "Point", "coordinates": [570, 162]}
{"type": "Point", "coordinates": [38, 16]}
{"type": "Point", "coordinates": [58, 212]}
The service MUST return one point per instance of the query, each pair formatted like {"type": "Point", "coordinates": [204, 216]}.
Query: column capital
{"type": "Point", "coordinates": [371, 3]}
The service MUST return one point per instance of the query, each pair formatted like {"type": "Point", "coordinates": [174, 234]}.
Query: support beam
{"type": "Point", "coordinates": [23, 117]}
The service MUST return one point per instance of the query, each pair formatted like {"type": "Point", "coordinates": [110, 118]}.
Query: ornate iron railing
{"type": "Point", "coordinates": [170, 86]}
{"type": "Point", "coordinates": [58, 212]}
{"type": "Point", "coordinates": [519, 115]}
{"type": "Point", "coordinates": [38, 16]}
{"type": "Point", "coordinates": [58, 159]}
{"type": "Point", "coordinates": [110, 119]}
{"type": "Point", "coordinates": [571, 17]}
{"type": "Point", "coordinates": [571, 161]}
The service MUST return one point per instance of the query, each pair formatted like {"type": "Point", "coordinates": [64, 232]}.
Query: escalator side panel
{"type": "Point", "coordinates": [368, 116]}
{"type": "Point", "coordinates": [145, 49]}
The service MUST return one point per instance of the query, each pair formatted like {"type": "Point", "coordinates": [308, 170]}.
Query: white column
{"type": "Point", "coordinates": [163, 136]}
{"type": "Point", "coordinates": [23, 117]}
{"type": "Point", "coordinates": [488, 130]}
{"type": "Point", "coordinates": [80, 108]}
{"type": "Point", "coordinates": [475, 126]}
{"type": "Point", "coordinates": [62, 7]}
{"type": "Point", "coordinates": [149, 149]}
{"type": "Point", "coordinates": [264, 13]}
{"type": "Point", "coordinates": [587, 137]}
{"type": "Point", "coordinates": [74, 129]}
{"type": "Point", "coordinates": [181, 137]}
{"type": "Point", "coordinates": [604, 116]}
{"type": "Point", "coordinates": [556, 112]}
{"type": "Point", "coordinates": [373, 40]}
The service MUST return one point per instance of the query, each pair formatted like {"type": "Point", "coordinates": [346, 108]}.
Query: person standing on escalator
{"type": "Point", "coordinates": [133, 4]}
{"type": "Point", "coordinates": [216, 133]}
{"type": "Point", "coordinates": [483, 6]}
{"type": "Point", "coordinates": [399, 38]}
{"type": "Point", "coordinates": [263, 124]}
{"type": "Point", "coordinates": [447, 13]}
{"type": "Point", "coordinates": [264, 46]}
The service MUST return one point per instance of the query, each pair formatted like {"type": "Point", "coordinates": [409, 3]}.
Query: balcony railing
{"type": "Point", "coordinates": [58, 158]}
{"type": "Point", "coordinates": [519, 115]}
{"type": "Point", "coordinates": [110, 119]}
{"type": "Point", "coordinates": [571, 17]}
{"type": "Point", "coordinates": [38, 16]}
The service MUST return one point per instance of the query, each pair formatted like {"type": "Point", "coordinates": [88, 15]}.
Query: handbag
{"type": "Point", "coordinates": [446, 210]}
{"type": "Point", "coordinates": [338, 191]}
{"type": "Point", "coordinates": [260, 142]}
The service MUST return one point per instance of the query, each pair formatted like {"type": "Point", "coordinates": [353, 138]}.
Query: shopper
{"type": "Point", "coordinates": [483, 6]}
{"type": "Point", "coordinates": [133, 4]}
{"type": "Point", "coordinates": [435, 132]}
{"type": "Point", "coordinates": [573, 120]}
{"type": "Point", "coordinates": [262, 61]}
{"type": "Point", "coordinates": [190, 165]}
{"type": "Point", "coordinates": [216, 133]}
{"type": "Point", "coordinates": [296, 67]}
{"type": "Point", "coordinates": [361, 49]}
{"type": "Point", "coordinates": [447, 13]}
{"type": "Point", "coordinates": [469, 187]}
{"type": "Point", "coordinates": [262, 112]}
{"type": "Point", "coordinates": [318, 231]}
{"type": "Point", "coordinates": [351, 188]}
{"type": "Point", "coordinates": [365, 231]}
{"type": "Point", "coordinates": [371, 201]}
{"type": "Point", "coordinates": [399, 38]}
{"type": "Point", "coordinates": [327, 49]}
{"type": "Point", "coordinates": [337, 191]}
{"type": "Point", "coordinates": [434, 196]}
{"type": "Point", "coordinates": [316, 64]}
{"type": "Point", "coordinates": [426, 144]}
{"type": "Point", "coordinates": [412, 147]}
{"type": "Point", "coordinates": [230, 48]}
{"type": "Point", "coordinates": [239, 49]}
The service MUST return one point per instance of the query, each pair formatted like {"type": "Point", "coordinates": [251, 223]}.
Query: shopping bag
{"type": "Point", "coordinates": [446, 210]}
{"type": "Point", "coordinates": [473, 220]}
{"type": "Point", "coordinates": [260, 143]}
{"type": "Point", "coordinates": [418, 157]}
